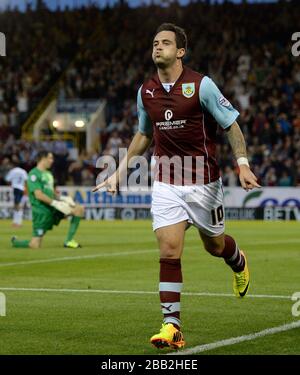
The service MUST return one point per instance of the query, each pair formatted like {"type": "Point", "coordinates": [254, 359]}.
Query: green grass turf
{"type": "Point", "coordinates": [65, 322]}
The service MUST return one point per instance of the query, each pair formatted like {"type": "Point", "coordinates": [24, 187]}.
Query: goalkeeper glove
{"type": "Point", "coordinates": [61, 206]}
{"type": "Point", "coordinates": [68, 200]}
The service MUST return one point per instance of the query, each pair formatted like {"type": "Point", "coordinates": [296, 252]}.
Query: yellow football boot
{"type": "Point", "coordinates": [72, 244]}
{"type": "Point", "coordinates": [169, 336]}
{"type": "Point", "coordinates": [241, 280]}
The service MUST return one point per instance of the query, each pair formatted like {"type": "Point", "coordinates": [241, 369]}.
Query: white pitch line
{"type": "Point", "coordinates": [92, 256]}
{"type": "Point", "coordinates": [275, 241]}
{"type": "Point", "coordinates": [200, 294]}
{"type": "Point", "coordinates": [208, 294]}
{"type": "Point", "coordinates": [236, 340]}
{"type": "Point", "coordinates": [78, 290]}
{"type": "Point", "coordinates": [79, 257]}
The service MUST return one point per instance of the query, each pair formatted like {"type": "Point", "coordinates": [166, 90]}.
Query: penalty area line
{"type": "Point", "coordinates": [236, 340]}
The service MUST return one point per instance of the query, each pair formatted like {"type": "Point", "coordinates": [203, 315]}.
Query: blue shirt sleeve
{"type": "Point", "coordinates": [145, 125]}
{"type": "Point", "coordinates": [216, 104]}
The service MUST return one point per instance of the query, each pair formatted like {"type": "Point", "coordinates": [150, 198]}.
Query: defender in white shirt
{"type": "Point", "coordinates": [17, 178]}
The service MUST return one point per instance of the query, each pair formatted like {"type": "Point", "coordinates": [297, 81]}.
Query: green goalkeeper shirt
{"type": "Point", "coordinates": [40, 180]}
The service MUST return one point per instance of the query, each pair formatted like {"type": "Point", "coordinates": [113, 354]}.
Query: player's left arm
{"type": "Point", "coordinates": [8, 177]}
{"type": "Point", "coordinates": [225, 114]}
{"type": "Point", "coordinates": [237, 142]}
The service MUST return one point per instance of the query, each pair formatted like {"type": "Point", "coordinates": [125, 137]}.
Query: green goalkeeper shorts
{"type": "Point", "coordinates": [44, 221]}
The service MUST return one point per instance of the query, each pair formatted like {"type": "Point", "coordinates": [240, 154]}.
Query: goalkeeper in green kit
{"type": "Point", "coordinates": [47, 208]}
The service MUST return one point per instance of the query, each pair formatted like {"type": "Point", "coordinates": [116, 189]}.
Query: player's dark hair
{"type": "Point", "coordinates": [42, 154]}
{"type": "Point", "coordinates": [180, 35]}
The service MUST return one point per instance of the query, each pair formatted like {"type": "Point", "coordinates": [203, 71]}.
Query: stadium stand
{"type": "Point", "coordinates": [90, 53]}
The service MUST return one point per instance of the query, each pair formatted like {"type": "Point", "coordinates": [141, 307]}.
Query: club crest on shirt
{"type": "Point", "coordinates": [188, 89]}
{"type": "Point", "coordinates": [224, 102]}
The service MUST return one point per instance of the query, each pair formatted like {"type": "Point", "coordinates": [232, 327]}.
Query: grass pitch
{"type": "Point", "coordinates": [102, 298]}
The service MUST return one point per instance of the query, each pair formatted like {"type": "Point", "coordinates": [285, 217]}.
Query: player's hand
{"type": "Point", "coordinates": [110, 185]}
{"type": "Point", "coordinates": [247, 178]}
{"type": "Point", "coordinates": [68, 200]}
{"type": "Point", "coordinates": [62, 207]}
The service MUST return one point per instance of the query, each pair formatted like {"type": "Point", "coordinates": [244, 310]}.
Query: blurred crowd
{"type": "Point", "coordinates": [106, 54]}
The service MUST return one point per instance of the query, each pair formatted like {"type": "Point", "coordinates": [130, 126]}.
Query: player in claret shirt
{"type": "Point", "coordinates": [180, 109]}
{"type": "Point", "coordinates": [47, 209]}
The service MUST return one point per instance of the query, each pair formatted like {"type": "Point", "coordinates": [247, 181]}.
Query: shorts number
{"type": "Point", "coordinates": [217, 215]}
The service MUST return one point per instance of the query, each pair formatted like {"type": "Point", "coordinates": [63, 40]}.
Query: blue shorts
{"type": "Point", "coordinates": [18, 194]}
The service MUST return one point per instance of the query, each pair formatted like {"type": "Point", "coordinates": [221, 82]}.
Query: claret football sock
{"type": "Point", "coordinates": [169, 290]}
{"type": "Point", "coordinates": [232, 255]}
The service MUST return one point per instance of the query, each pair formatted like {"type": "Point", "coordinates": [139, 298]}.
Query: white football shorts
{"type": "Point", "coordinates": [201, 205]}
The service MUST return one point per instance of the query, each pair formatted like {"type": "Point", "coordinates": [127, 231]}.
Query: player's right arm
{"type": "Point", "coordinates": [61, 206]}
{"type": "Point", "coordinates": [8, 177]}
{"type": "Point", "coordinates": [138, 146]}
{"type": "Point", "coordinates": [42, 197]}
{"type": "Point", "coordinates": [35, 187]}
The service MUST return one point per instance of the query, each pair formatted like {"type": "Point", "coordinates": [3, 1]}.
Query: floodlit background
{"type": "Point", "coordinates": [68, 84]}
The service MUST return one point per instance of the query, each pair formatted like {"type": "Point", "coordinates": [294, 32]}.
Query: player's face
{"type": "Point", "coordinates": [165, 51]}
{"type": "Point", "coordinates": [49, 159]}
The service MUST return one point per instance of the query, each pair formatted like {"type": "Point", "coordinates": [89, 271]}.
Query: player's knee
{"type": "Point", "coordinates": [169, 250]}
{"type": "Point", "coordinates": [35, 245]}
{"type": "Point", "coordinates": [79, 211]}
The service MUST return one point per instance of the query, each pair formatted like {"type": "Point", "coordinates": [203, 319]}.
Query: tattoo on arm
{"type": "Point", "coordinates": [237, 141]}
